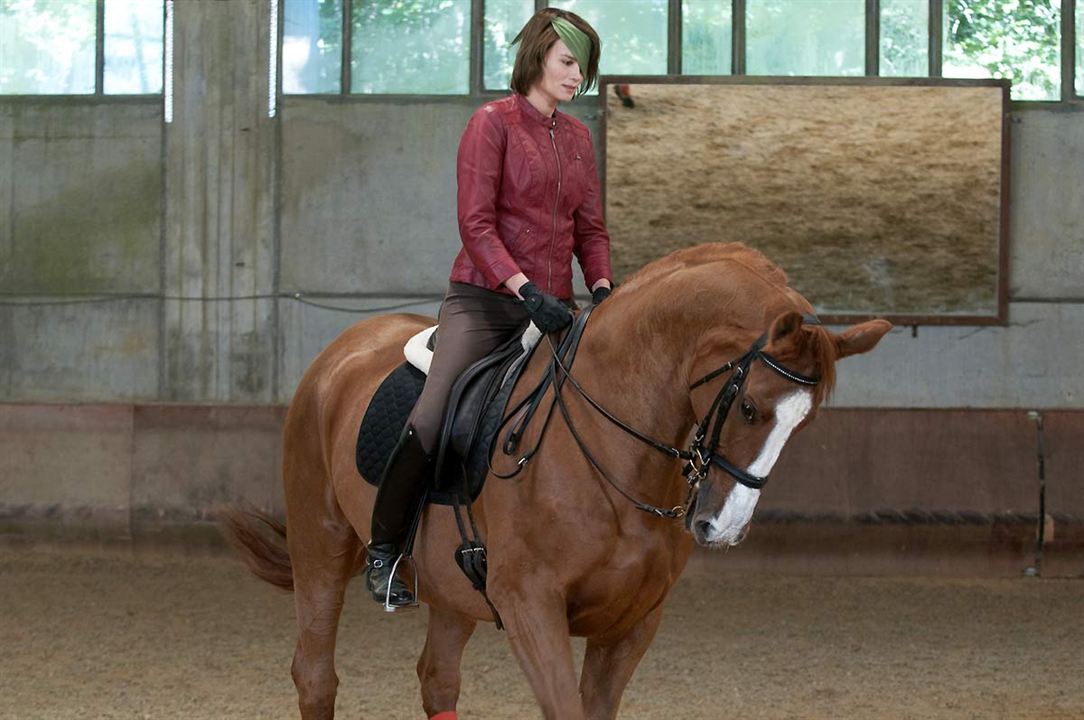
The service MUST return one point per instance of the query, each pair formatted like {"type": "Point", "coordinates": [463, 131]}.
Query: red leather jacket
{"type": "Point", "coordinates": [528, 199]}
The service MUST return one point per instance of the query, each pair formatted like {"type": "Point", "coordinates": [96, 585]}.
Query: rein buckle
{"type": "Point", "coordinates": [696, 468]}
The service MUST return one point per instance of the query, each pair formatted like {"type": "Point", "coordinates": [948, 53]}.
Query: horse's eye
{"type": "Point", "coordinates": [748, 411]}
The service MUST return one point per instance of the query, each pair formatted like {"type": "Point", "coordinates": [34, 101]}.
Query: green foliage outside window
{"type": "Point", "coordinates": [410, 46]}
{"type": "Point", "coordinates": [706, 37]}
{"type": "Point", "coordinates": [47, 47]}
{"type": "Point", "coordinates": [423, 46]}
{"type": "Point", "coordinates": [633, 33]}
{"type": "Point", "coordinates": [805, 37]}
{"type": "Point", "coordinates": [905, 38]}
{"type": "Point", "coordinates": [1015, 39]}
{"type": "Point", "coordinates": [133, 47]}
{"type": "Point", "coordinates": [503, 21]}
{"type": "Point", "coordinates": [312, 46]}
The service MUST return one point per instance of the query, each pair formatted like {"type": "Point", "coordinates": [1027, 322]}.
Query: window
{"type": "Point", "coordinates": [424, 46]}
{"type": "Point", "coordinates": [410, 46]}
{"type": "Point", "coordinates": [47, 47]}
{"type": "Point", "coordinates": [706, 37]}
{"type": "Point", "coordinates": [905, 38]}
{"type": "Point", "coordinates": [312, 35]}
{"type": "Point", "coordinates": [633, 33]}
{"type": "Point", "coordinates": [504, 18]}
{"type": "Point", "coordinates": [805, 37]}
{"type": "Point", "coordinates": [1019, 40]}
{"type": "Point", "coordinates": [133, 47]}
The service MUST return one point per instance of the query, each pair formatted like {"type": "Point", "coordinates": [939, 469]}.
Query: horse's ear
{"type": "Point", "coordinates": [861, 338]}
{"type": "Point", "coordinates": [783, 326]}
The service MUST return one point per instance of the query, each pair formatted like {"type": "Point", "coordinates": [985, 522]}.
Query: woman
{"type": "Point", "coordinates": [528, 199]}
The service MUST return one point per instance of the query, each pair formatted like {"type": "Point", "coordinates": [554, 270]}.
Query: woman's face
{"type": "Point", "coordinates": [560, 73]}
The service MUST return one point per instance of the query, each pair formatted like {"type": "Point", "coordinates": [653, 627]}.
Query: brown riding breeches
{"type": "Point", "coordinates": [474, 322]}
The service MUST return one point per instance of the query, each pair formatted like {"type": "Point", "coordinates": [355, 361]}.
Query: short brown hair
{"type": "Point", "coordinates": [535, 40]}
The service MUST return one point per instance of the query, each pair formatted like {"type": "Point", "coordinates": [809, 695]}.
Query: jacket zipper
{"type": "Point", "coordinates": [556, 200]}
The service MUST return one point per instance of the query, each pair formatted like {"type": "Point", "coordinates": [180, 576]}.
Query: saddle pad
{"type": "Point", "coordinates": [384, 421]}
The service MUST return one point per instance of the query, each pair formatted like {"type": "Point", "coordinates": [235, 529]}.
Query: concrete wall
{"type": "Point", "coordinates": [352, 203]}
{"type": "Point", "coordinates": [860, 491]}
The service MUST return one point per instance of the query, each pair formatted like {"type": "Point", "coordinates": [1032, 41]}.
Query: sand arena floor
{"type": "Point", "coordinates": [110, 634]}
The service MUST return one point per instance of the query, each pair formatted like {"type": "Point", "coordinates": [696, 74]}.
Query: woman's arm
{"type": "Point", "coordinates": [479, 165]}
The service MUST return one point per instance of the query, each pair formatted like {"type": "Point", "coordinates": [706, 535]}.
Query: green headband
{"type": "Point", "coordinates": [577, 42]}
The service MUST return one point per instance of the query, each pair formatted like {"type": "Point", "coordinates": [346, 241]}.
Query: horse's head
{"type": "Point", "coordinates": [782, 387]}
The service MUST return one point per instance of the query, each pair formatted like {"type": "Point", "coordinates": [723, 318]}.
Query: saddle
{"type": "Point", "coordinates": [474, 416]}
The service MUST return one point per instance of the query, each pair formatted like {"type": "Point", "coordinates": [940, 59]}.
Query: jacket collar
{"type": "Point", "coordinates": [533, 115]}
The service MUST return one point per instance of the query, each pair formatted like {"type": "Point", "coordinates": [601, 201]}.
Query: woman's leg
{"type": "Point", "coordinates": [473, 323]}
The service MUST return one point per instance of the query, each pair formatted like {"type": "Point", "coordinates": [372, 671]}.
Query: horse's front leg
{"type": "Point", "coordinates": [537, 624]}
{"type": "Point", "coordinates": [438, 667]}
{"type": "Point", "coordinates": [608, 665]}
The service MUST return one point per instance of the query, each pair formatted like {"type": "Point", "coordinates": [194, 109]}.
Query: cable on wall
{"type": "Point", "coordinates": [295, 296]}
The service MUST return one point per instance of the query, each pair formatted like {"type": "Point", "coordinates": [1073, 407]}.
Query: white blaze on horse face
{"type": "Point", "coordinates": [729, 524]}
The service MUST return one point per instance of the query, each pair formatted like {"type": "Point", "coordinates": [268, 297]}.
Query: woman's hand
{"type": "Point", "coordinates": [547, 312]}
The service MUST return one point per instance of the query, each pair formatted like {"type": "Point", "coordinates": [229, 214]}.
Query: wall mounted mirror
{"type": "Point", "coordinates": [878, 197]}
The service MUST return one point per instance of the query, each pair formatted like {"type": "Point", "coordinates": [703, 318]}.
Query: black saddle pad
{"type": "Point", "coordinates": [385, 419]}
{"type": "Point", "coordinates": [477, 403]}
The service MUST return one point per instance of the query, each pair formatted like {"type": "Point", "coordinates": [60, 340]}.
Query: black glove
{"type": "Point", "coordinates": [601, 293]}
{"type": "Point", "coordinates": [547, 312]}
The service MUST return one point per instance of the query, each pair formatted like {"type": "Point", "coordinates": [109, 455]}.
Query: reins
{"type": "Point", "coordinates": [698, 458]}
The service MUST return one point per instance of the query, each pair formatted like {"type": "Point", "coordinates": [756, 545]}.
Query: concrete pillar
{"type": "Point", "coordinates": [219, 240]}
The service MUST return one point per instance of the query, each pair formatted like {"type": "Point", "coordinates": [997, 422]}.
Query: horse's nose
{"type": "Point", "coordinates": [702, 529]}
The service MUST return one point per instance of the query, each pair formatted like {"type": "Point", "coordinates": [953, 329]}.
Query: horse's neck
{"type": "Point", "coordinates": [638, 375]}
{"type": "Point", "coordinates": [639, 354]}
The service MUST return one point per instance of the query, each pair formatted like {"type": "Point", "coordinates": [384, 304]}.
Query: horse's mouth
{"type": "Point", "coordinates": [705, 535]}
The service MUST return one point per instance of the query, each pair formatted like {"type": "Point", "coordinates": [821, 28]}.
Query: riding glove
{"type": "Point", "coordinates": [547, 312]}
{"type": "Point", "coordinates": [600, 294]}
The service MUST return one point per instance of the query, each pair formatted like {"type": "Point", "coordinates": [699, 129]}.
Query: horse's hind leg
{"type": "Point", "coordinates": [438, 667]}
{"type": "Point", "coordinates": [322, 569]}
{"type": "Point", "coordinates": [608, 665]}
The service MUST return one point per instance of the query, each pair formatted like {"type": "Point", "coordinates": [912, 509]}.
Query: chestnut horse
{"type": "Point", "coordinates": [569, 554]}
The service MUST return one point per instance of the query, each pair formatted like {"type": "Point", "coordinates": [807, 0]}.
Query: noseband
{"type": "Point", "coordinates": [700, 457]}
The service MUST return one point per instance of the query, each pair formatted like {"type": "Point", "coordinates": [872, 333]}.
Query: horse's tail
{"type": "Point", "coordinates": [264, 553]}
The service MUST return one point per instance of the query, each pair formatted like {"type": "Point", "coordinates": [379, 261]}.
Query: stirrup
{"type": "Point", "coordinates": [388, 607]}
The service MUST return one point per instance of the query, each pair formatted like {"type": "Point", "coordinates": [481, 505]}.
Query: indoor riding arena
{"type": "Point", "coordinates": [222, 220]}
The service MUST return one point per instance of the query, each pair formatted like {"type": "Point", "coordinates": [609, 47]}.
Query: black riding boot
{"type": "Point", "coordinates": [401, 489]}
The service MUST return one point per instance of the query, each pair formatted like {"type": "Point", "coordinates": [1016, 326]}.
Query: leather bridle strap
{"type": "Point", "coordinates": [756, 482]}
{"type": "Point", "coordinates": [794, 377]}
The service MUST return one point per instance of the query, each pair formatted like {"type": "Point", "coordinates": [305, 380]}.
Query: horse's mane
{"type": "Point", "coordinates": [813, 339]}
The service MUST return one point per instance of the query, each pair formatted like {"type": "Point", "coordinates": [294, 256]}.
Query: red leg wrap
{"type": "Point", "coordinates": [448, 715]}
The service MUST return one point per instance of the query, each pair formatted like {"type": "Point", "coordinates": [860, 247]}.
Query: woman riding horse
{"type": "Point", "coordinates": [528, 200]}
{"type": "Point", "coordinates": [707, 343]}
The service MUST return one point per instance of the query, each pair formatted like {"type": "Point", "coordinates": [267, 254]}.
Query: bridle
{"type": "Point", "coordinates": [700, 457]}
